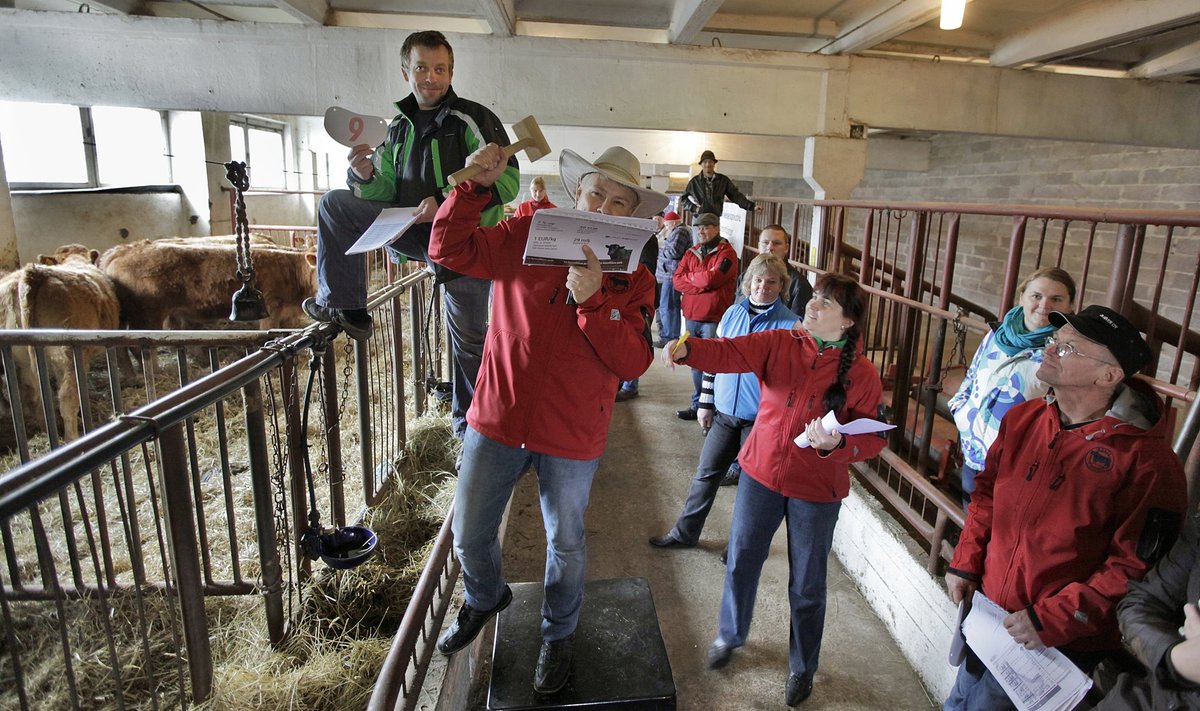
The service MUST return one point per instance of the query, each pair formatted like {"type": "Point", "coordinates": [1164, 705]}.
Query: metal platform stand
{"type": "Point", "coordinates": [620, 661]}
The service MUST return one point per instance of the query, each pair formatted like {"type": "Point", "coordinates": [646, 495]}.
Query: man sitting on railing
{"type": "Point", "coordinates": [428, 140]}
{"type": "Point", "coordinates": [1080, 493]}
{"type": "Point", "coordinates": [561, 340]}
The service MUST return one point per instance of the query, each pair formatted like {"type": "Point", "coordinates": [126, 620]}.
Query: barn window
{"type": "Point", "coordinates": [56, 146]}
{"type": "Point", "coordinates": [44, 145]}
{"type": "Point", "coordinates": [260, 144]}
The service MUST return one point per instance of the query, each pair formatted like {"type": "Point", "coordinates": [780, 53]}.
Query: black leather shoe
{"type": "Point", "coordinates": [798, 689]}
{"type": "Point", "coordinates": [719, 654]}
{"type": "Point", "coordinates": [688, 414]}
{"type": "Point", "coordinates": [668, 541]}
{"type": "Point", "coordinates": [470, 621]}
{"type": "Point", "coordinates": [553, 666]}
{"type": "Point", "coordinates": [359, 328]}
{"type": "Point", "coordinates": [724, 556]}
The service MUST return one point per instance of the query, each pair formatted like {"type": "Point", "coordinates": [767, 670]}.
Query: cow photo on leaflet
{"type": "Point", "coordinates": [63, 291]}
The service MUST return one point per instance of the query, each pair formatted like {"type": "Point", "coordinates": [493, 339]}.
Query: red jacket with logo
{"type": "Point", "coordinates": [707, 288]}
{"type": "Point", "coordinates": [793, 376]}
{"type": "Point", "coordinates": [1062, 519]}
{"type": "Point", "coordinates": [550, 369]}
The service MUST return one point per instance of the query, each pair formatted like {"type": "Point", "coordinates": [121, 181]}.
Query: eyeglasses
{"type": "Point", "coordinates": [1063, 349]}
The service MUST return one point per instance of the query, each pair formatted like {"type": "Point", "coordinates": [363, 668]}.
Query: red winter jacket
{"type": "Point", "coordinates": [1058, 515]}
{"type": "Point", "coordinates": [793, 377]}
{"type": "Point", "coordinates": [550, 369]}
{"type": "Point", "coordinates": [707, 288]}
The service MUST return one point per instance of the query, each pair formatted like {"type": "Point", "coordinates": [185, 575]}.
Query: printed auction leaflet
{"type": "Point", "coordinates": [1034, 679]}
{"type": "Point", "coordinates": [557, 235]}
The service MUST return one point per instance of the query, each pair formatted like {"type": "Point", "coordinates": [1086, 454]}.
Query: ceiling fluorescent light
{"type": "Point", "coordinates": [952, 14]}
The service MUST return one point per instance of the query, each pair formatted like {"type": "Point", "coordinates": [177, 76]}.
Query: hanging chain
{"type": "Point", "coordinates": [238, 175]}
{"type": "Point", "coordinates": [282, 526]}
{"type": "Point", "coordinates": [958, 352]}
{"type": "Point", "coordinates": [347, 372]}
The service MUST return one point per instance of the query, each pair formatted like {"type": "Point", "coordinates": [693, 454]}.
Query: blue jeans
{"type": "Point", "coordinates": [976, 689]}
{"type": "Point", "coordinates": [489, 472]}
{"type": "Point", "coordinates": [699, 329]}
{"type": "Point", "coordinates": [342, 284]}
{"type": "Point", "coordinates": [466, 302]}
{"type": "Point", "coordinates": [756, 516]}
{"type": "Point", "coordinates": [669, 315]}
{"type": "Point", "coordinates": [721, 447]}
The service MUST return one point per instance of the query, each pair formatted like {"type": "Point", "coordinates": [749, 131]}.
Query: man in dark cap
{"type": "Point", "coordinates": [1080, 494]}
{"type": "Point", "coordinates": [706, 192]}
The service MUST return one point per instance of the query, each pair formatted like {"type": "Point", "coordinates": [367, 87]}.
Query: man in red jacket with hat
{"type": "Point", "coordinates": [707, 278]}
{"type": "Point", "coordinates": [1080, 494]}
{"type": "Point", "coordinates": [560, 340]}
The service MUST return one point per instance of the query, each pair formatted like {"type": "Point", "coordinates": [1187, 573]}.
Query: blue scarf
{"type": "Point", "coordinates": [1012, 338]}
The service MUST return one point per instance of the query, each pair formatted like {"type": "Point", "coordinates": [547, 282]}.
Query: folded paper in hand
{"type": "Point", "coordinates": [387, 228]}
{"type": "Point", "coordinates": [557, 236]}
{"type": "Point", "coordinates": [829, 423]}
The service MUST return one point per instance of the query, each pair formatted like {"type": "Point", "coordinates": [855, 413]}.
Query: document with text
{"type": "Point", "coordinates": [386, 228]}
{"type": "Point", "coordinates": [557, 235]}
{"type": "Point", "coordinates": [1034, 679]}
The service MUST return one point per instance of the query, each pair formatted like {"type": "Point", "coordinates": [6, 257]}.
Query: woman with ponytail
{"type": "Point", "coordinates": [1003, 372]}
{"type": "Point", "coordinates": [804, 372]}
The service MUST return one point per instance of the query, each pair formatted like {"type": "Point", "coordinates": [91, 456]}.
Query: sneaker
{"type": "Point", "coordinates": [668, 541]}
{"type": "Point", "coordinates": [467, 626]}
{"type": "Point", "coordinates": [730, 478]}
{"type": "Point", "coordinates": [358, 328]}
{"type": "Point", "coordinates": [719, 654]}
{"type": "Point", "coordinates": [553, 666]}
{"type": "Point", "coordinates": [625, 394]}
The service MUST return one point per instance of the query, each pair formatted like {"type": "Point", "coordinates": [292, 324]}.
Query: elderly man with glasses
{"type": "Point", "coordinates": [1080, 494]}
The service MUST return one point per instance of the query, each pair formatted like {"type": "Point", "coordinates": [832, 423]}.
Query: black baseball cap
{"type": "Point", "coordinates": [1111, 330]}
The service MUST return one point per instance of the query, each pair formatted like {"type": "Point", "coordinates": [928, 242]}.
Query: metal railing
{"type": "Point", "coordinates": [122, 541]}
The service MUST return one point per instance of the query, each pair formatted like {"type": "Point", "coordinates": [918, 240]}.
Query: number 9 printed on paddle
{"type": "Point", "coordinates": [351, 129]}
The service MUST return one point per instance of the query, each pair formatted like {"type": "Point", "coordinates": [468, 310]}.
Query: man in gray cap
{"type": "Point", "coordinates": [1080, 494]}
{"type": "Point", "coordinates": [560, 341]}
{"type": "Point", "coordinates": [707, 190]}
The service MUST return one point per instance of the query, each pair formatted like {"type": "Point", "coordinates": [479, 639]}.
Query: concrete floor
{"type": "Point", "coordinates": [643, 479]}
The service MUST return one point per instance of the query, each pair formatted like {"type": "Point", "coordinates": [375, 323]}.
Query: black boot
{"type": "Point", "coordinates": [798, 689]}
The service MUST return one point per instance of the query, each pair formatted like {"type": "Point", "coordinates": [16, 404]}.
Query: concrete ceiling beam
{"type": "Point", "coordinates": [500, 16]}
{"type": "Point", "coordinates": [881, 23]}
{"type": "Point", "coordinates": [308, 12]}
{"type": "Point", "coordinates": [1092, 25]}
{"type": "Point", "coordinates": [1181, 60]}
{"type": "Point", "coordinates": [688, 18]}
{"type": "Point", "coordinates": [772, 25]}
{"type": "Point", "coordinates": [121, 7]}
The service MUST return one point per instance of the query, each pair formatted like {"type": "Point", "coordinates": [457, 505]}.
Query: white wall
{"type": "Point", "coordinates": [890, 572]}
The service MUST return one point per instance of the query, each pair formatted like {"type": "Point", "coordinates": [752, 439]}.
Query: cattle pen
{"type": "Point", "coordinates": [164, 575]}
{"type": "Point", "coordinates": [114, 531]}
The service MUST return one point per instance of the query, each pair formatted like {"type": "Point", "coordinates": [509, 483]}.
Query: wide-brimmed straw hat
{"type": "Point", "coordinates": [616, 164]}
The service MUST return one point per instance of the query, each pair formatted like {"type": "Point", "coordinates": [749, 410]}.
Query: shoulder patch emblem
{"type": "Point", "coordinates": [614, 315]}
{"type": "Point", "coordinates": [1099, 460]}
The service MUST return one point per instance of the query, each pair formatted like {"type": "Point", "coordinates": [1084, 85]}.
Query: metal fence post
{"type": "Point", "coordinates": [264, 509]}
{"type": "Point", "coordinates": [185, 560]}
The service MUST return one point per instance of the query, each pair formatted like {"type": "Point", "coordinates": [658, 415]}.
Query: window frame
{"type": "Point", "coordinates": [248, 121]}
{"type": "Point", "coordinates": [91, 161]}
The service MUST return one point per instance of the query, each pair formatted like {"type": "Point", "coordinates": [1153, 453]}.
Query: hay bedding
{"type": "Point", "coordinates": [344, 621]}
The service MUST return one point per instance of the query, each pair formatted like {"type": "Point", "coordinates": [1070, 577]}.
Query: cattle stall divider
{"type": "Point", "coordinates": [186, 489]}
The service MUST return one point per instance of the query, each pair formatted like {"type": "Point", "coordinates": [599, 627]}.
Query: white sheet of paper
{"type": "Point", "coordinates": [862, 425]}
{"type": "Point", "coordinates": [390, 224]}
{"type": "Point", "coordinates": [556, 236]}
{"type": "Point", "coordinates": [351, 129]}
{"type": "Point", "coordinates": [1035, 680]}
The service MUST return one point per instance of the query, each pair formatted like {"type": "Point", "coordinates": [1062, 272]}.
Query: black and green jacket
{"type": "Point", "coordinates": [410, 168]}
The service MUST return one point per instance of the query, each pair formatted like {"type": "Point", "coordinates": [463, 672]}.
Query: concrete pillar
{"type": "Point", "coordinates": [833, 166]}
{"type": "Point", "coordinates": [216, 152]}
{"type": "Point", "coordinates": [10, 258]}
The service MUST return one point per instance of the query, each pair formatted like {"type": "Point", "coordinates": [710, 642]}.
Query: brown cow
{"type": "Point", "coordinates": [64, 291]}
{"type": "Point", "coordinates": [161, 282]}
